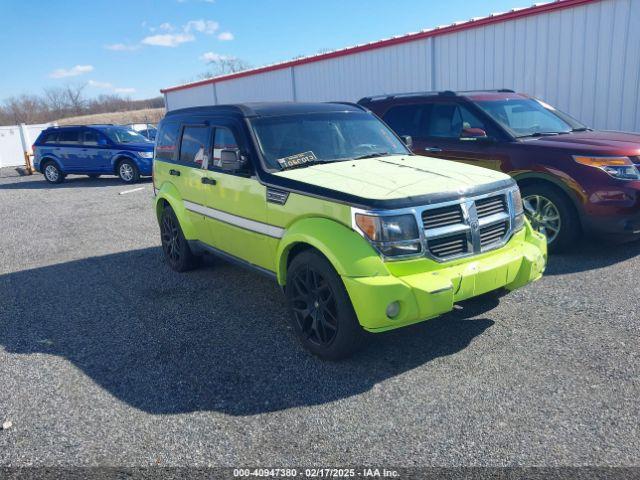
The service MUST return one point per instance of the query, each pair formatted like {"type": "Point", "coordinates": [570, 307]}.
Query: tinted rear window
{"type": "Point", "coordinates": [405, 119]}
{"type": "Point", "coordinates": [51, 137]}
{"type": "Point", "coordinates": [166, 140]}
{"type": "Point", "coordinates": [68, 137]}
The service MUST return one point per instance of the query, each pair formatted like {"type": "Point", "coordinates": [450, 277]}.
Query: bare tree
{"type": "Point", "coordinates": [224, 66]}
{"type": "Point", "coordinates": [75, 99]}
{"type": "Point", "coordinates": [23, 109]}
{"type": "Point", "coordinates": [56, 103]}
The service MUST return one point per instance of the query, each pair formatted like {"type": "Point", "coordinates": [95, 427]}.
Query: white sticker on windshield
{"type": "Point", "coordinates": [298, 159]}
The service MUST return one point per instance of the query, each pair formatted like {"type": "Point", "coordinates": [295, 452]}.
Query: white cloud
{"type": "Point", "coordinates": [212, 57]}
{"type": "Point", "coordinates": [168, 39]}
{"type": "Point", "coordinates": [167, 27]}
{"type": "Point", "coordinates": [203, 26]}
{"type": "Point", "coordinates": [71, 72]}
{"type": "Point", "coordinates": [109, 86]}
{"type": "Point", "coordinates": [121, 47]}
{"type": "Point", "coordinates": [225, 36]}
{"type": "Point", "coordinates": [96, 84]}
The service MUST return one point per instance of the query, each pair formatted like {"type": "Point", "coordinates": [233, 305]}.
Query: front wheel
{"type": "Point", "coordinates": [52, 173]}
{"type": "Point", "coordinates": [550, 212]}
{"type": "Point", "coordinates": [128, 172]}
{"type": "Point", "coordinates": [322, 313]}
{"type": "Point", "coordinates": [175, 247]}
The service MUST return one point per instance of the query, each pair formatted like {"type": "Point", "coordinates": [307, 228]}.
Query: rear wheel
{"type": "Point", "coordinates": [551, 213]}
{"type": "Point", "coordinates": [52, 173]}
{"type": "Point", "coordinates": [322, 313]}
{"type": "Point", "coordinates": [175, 247]}
{"type": "Point", "coordinates": [128, 171]}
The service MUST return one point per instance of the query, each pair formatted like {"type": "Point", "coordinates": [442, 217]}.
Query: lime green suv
{"type": "Point", "coordinates": [361, 235]}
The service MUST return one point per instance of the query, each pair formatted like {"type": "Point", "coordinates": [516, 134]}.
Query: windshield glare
{"type": "Point", "coordinates": [524, 117]}
{"type": "Point", "coordinates": [124, 135]}
{"type": "Point", "coordinates": [296, 140]}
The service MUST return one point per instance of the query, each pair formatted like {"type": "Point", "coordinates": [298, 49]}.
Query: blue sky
{"type": "Point", "coordinates": [136, 47]}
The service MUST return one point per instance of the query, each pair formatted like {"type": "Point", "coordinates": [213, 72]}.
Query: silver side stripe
{"type": "Point", "coordinates": [251, 225]}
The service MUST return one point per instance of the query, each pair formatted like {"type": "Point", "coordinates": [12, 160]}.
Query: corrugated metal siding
{"type": "Point", "coordinates": [265, 87]}
{"type": "Point", "coordinates": [585, 60]}
{"type": "Point", "coordinates": [191, 97]}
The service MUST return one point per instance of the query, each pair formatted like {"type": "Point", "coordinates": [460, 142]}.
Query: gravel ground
{"type": "Point", "coordinates": [109, 358]}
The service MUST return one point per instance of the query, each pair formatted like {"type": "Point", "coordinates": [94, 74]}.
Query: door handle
{"type": "Point", "coordinates": [433, 149]}
{"type": "Point", "coordinates": [208, 181]}
{"type": "Point", "coordinates": [174, 172]}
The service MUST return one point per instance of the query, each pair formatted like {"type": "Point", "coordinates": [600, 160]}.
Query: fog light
{"type": "Point", "coordinates": [393, 309]}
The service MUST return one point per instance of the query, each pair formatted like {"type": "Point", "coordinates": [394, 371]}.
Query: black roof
{"type": "Point", "coordinates": [266, 109]}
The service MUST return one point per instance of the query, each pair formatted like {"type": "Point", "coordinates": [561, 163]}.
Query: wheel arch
{"type": "Point", "coordinates": [118, 159]}
{"type": "Point", "coordinates": [572, 194]}
{"type": "Point", "coordinates": [347, 251]}
{"type": "Point", "coordinates": [50, 159]}
{"type": "Point", "coordinates": [168, 195]}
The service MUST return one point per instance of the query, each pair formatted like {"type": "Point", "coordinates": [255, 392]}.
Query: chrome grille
{"type": "Point", "coordinates": [493, 233]}
{"type": "Point", "coordinates": [491, 205]}
{"type": "Point", "coordinates": [442, 217]}
{"type": "Point", "coordinates": [472, 226]}
{"type": "Point", "coordinates": [449, 246]}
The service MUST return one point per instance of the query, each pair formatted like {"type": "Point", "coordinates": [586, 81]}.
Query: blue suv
{"type": "Point", "coordinates": [92, 150]}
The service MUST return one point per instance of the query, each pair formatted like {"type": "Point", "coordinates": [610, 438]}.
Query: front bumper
{"type": "Point", "coordinates": [427, 294]}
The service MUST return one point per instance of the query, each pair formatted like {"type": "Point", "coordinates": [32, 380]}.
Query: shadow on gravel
{"type": "Point", "coordinates": [37, 182]}
{"type": "Point", "coordinates": [214, 339]}
{"type": "Point", "coordinates": [591, 254]}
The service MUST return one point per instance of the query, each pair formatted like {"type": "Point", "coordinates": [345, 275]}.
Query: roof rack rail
{"type": "Point", "coordinates": [451, 93]}
{"type": "Point", "coordinates": [82, 125]}
{"type": "Point", "coordinates": [351, 104]}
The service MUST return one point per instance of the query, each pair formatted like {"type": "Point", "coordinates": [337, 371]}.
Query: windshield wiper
{"type": "Point", "coordinates": [581, 129]}
{"type": "Point", "coordinates": [372, 155]}
{"type": "Point", "coordinates": [540, 134]}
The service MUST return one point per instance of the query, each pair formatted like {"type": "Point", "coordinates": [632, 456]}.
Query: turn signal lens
{"type": "Point", "coordinates": [369, 225]}
{"type": "Point", "coordinates": [621, 168]}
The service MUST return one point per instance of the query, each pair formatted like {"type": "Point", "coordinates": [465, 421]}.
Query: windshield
{"type": "Point", "coordinates": [124, 135]}
{"type": "Point", "coordinates": [293, 141]}
{"type": "Point", "coordinates": [525, 117]}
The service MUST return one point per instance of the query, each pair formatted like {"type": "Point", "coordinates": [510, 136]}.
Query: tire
{"type": "Point", "coordinates": [175, 247]}
{"type": "Point", "coordinates": [546, 206]}
{"type": "Point", "coordinates": [128, 171]}
{"type": "Point", "coordinates": [93, 175]}
{"type": "Point", "coordinates": [321, 312]}
{"type": "Point", "coordinates": [52, 173]}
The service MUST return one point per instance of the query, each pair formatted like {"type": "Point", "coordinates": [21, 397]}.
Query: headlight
{"type": "Point", "coordinates": [145, 154]}
{"type": "Point", "coordinates": [391, 235]}
{"type": "Point", "coordinates": [518, 208]}
{"type": "Point", "coordinates": [621, 168]}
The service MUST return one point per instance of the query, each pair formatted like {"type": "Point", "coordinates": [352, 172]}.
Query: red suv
{"type": "Point", "coordinates": [573, 179]}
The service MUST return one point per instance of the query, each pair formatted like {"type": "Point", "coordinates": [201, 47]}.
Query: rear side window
{"type": "Point", "coordinates": [50, 137]}
{"type": "Point", "coordinates": [194, 145]}
{"type": "Point", "coordinates": [406, 119]}
{"type": "Point", "coordinates": [68, 137]}
{"type": "Point", "coordinates": [167, 140]}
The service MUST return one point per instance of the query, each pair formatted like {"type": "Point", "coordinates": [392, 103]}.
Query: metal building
{"type": "Point", "coordinates": [583, 56]}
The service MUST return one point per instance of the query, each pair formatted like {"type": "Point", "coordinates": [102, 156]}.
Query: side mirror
{"type": "Point", "coordinates": [230, 160]}
{"type": "Point", "coordinates": [408, 141]}
{"type": "Point", "coordinates": [472, 134]}
{"type": "Point", "coordinates": [102, 142]}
